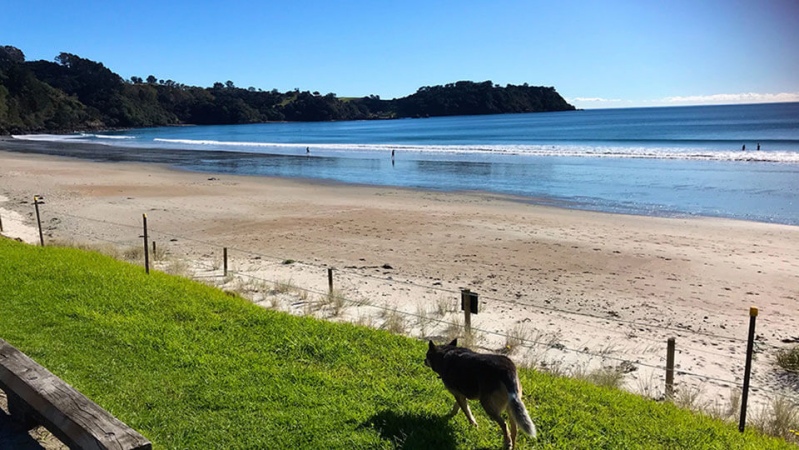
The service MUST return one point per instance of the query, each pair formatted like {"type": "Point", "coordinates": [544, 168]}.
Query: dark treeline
{"type": "Point", "coordinates": [73, 93]}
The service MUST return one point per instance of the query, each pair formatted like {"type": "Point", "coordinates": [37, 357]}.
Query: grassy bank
{"type": "Point", "coordinates": [192, 367]}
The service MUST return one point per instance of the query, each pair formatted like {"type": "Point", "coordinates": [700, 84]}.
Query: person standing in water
{"type": "Point", "coordinates": [743, 148]}
{"type": "Point", "coordinates": [758, 146]}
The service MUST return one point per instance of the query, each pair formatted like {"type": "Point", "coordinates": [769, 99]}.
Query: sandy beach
{"type": "Point", "coordinates": [583, 288]}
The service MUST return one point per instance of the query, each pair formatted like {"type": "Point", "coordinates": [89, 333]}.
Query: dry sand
{"type": "Point", "coordinates": [589, 288]}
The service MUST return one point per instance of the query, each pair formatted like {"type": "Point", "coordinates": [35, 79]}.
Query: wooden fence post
{"type": "Point", "coordinates": [469, 302]}
{"type": "Point", "coordinates": [155, 253]}
{"type": "Point", "coordinates": [1, 223]}
{"type": "Point", "coordinates": [467, 318]}
{"type": "Point", "coordinates": [146, 247]}
{"type": "Point", "coordinates": [670, 368]}
{"type": "Point", "coordinates": [330, 280]}
{"type": "Point", "coordinates": [224, 260]}
{"type": "Point", "coordinates": [750, 346]}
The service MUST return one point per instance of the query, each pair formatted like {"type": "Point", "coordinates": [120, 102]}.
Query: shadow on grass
{"type": "Point", "coordinates": [413, 431]}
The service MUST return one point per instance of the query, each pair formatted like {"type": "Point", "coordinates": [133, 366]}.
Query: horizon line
{"type": "Point", "coordinates": [747, 98]}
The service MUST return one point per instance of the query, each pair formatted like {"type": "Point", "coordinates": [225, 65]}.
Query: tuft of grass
{"type": "Point", "coordinates": [178, 267]}
{"type": "Point", "coordinates": [729, 410]}
{"type": "Point", "coordinates": [302, 295]}
{"type": "Point", "coordinates": [471, 340]}
{"type": "Point", "coordinates": [555, 368]}
{"type": "Point", "coordinates": [778, 419]}
{"type": "Point", "coordinates": [545, 339]}
{"type": "Point", "coordinates": [191, 367]}
{"type": "Point", "coordinates": [365, 320]}
{"type": "Point", "coordinates": [517, 336]}
{"type": "Point", "coordinates": [133, 253]}
{"type": "Point", "coordinates": [336, 301]}
{"type": "Point", "coordinates": [394, 321]}
{"type": "Point", "coordinates": [360, 300]}
{"type": "Point", "coordinates": [532, 358]}
{"type": "Point", "coordinates": [606, 376]}
{"type": "Point", "coordinates": [649, 387]}
{"type": "Point", "coordinates": [107, 249]}
{"type": "Point", "coordinates": [160, 252]}
{"type": "Point", "coordinates": [423, 319]}
{"type": "Point", "coordinates": [454, 329]}
{"type": "Point", "coordinates": [445, 305]}
{"type": "Point", "coordinates": [283, 287]}
{"type": "Point", "coordinates": [308, 308]}
{"type": "Point", "coordinates": [788, 359]}
{"type": "Point", "coordinates": [688, 398]}
{"type": "Point", "coordinates": [608, 349]}
{"type": "Point", "coordinates": [272, 302]}
{"type": "Point", "coordinates": [610, 377]}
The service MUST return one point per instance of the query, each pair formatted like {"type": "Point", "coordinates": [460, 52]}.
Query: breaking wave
{"type": "Point", "coordinates": [570, 150]}
{"type": "Point", "coordinates": [592, 150]}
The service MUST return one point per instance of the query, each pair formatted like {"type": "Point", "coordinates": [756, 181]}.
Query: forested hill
{"type": "Point", "coordinates": [73, 93]}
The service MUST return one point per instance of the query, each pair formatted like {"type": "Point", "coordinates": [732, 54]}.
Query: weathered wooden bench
{"type": "Point", "coordinates": [37, 397]}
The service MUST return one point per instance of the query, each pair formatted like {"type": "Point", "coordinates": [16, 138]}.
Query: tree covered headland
{"type": "Point", "coordinates": [73, 93]}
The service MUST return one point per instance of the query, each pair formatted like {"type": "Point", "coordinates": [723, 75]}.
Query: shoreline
{"type": "Point", "coordinates": [297, 167]}
{"type": "Point", "coordinates": [617, 285]}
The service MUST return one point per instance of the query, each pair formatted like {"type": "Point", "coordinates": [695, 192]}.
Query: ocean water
{"type": "Point", "coordinates": [678, 161]}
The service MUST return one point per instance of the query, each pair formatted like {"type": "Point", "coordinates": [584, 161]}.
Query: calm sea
{"type": "Point", "coordinates": [679, 161]}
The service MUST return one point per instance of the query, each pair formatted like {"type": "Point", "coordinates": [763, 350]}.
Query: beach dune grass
{"type": "Point", "coordinates": [191, 367]}
{"type": "Point", "coordinates": [788, 359]}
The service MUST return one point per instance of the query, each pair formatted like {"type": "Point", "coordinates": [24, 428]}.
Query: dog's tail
{"type": "Point", "coordinates": [517, 410]}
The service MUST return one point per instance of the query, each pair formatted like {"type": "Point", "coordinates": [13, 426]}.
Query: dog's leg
{"type": "Point", "coordinates": [494, 411]}
{"type": "Point", "coordinates": [513, 431]}
{"type": "Point", "coordinates": [461, 401]}
{"type": "Point", "coordinates": [454, 410]}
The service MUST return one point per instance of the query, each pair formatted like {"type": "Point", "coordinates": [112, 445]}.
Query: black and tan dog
{"type": "Point", "coordinates": [491, 378]}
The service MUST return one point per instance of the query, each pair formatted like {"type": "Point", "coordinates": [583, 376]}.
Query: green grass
{"type": "Point", "coordinates": [192, 367]}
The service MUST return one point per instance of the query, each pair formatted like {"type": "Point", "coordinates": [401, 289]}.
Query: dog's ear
{"type": "Point", "coordinates": [431, 345]}
{"type": "Point", "coordinates": [454, 342]}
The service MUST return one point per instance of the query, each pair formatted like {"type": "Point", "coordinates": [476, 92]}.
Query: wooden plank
{"type": "Point", "coordinates": [77, 421]}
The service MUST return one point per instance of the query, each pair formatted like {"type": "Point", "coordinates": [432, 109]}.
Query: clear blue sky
{"type": "Point", "coordinates": [595, 53]}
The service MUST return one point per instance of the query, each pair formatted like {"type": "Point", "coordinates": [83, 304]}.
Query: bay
{"type": "Point", "coordinates": [678, 161]}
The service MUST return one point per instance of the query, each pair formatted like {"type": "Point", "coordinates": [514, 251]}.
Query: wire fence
{"type": "Point", "coordinates": [381, 302]}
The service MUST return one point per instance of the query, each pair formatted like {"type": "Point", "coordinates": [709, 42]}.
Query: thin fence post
{"type": "Point", "coordinates": [330, 280]}
{"type": "Point", "coordinates": [224, 260]}
{"type": "Point", "coordinates": [155, 253]}
{"type": "Point", "coordinates": [1, 223]}
{"type": "Point", "coordinates": [670, 368]}
{"type": "Point", "coordinates": [146, 248]}
{"type": "Point", "coordinates": [36, 203]}
{"type": "Point", "coordinates": [750, 346]}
